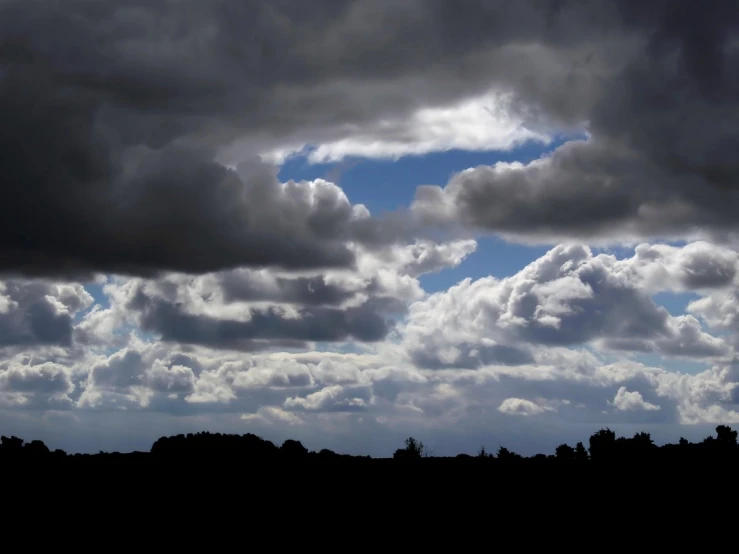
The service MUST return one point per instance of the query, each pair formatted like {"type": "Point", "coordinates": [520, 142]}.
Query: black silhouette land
{"type": "Point", "coordinates": [604, 448]}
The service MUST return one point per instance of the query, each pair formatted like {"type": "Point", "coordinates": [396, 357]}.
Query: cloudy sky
{"type": "Point", "coordinates": [351, 221]}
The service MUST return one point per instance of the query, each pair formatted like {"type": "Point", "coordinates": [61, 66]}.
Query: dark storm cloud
{"type": "Point", "coordinates": [114, 115]}
{"type": "Point", "coordinates": [243, 286]}
{"type": "Point", "coordinates": [302, 290]}
{"type": "Point", "coordinates": [117, 115]}
{"type": "Point", "coordinates": [663, 115]}
{"type": "Point", "coordinates": [267, 328]}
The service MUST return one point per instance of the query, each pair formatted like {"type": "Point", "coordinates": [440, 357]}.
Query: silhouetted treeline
{"type": "Point", "coordinates": [604, 448]}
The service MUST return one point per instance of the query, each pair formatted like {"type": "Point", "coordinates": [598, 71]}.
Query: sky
{"type": "Point", "coordinates": [347, 222]}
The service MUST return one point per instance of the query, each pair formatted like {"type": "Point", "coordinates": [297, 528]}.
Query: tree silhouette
{"type": "Point", "coordinates": [11, 444]}
{"type": "Point", "coordinates": [414, 450]}
{"type": "Point", "coordinates": [602, 445]}
{"type": "Point", "coordinates": [565, 453]}
{"type": "Point", "coordinates": [36, 448]}
{"type": "Point", "coordinates": [293, 449]}
{"type": "Point", "coordinates": [505, 455]}
{"type": "Point", "coordinates": [581, 455]}
{"type": "Point", "coordinates": [725, 435]}
{"type": "Point", "coordinates": [721, 450]}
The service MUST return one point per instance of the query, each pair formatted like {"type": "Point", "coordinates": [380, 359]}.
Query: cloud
{"type": "Point", "coordinates": [121, 155]}
{"type": "Point", "coordinates": [112, 138]}
{"type": "Point", "coordinates": [284, 388]}
{"type": "Point", "coordinates": [173, 379]}
{"type": "Point", "coordinates": [250, 310]}
{"type": "Point", "coordinates": [272, 415]}
{"type": "Point", "coordinates": [475, 124]}
{"type": "Point", "coordinates": [719, 310]}
{"type": "Point", "coordinates": [157, 152]}
{"type": "Point", "coordinates": [333, 398]}
{"type": "Point", "coordinates": [308, 325]}
{"type": "Point", "coordinates": [697, 266]}
{"type": "Point", "coordinates": [176, 211]}
{"type": "Point", "coordinates": [538, 343]}
{"type": "Point", "coordinates": [568, 297]}
{"type": "Point", "coordinates": [425, 256]}
{"type": "Point", "coordinates": [35, 312]}
{"type": "Point", "coordinates": [657, 159]}
{"type": "Point", "coordinates": [627, 401]}
{"type": "Point", "coordinates": [582, 190]}
{"type": "Point", "coordinates": [519, 406]}
{"type": "Point", "coordinates": [330, 394]}
{"type": "Point", "coordinates": [116, 382]}
{"type": "Point", "coordinates": [45, 385]}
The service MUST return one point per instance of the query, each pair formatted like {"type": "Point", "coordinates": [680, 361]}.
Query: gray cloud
{"type": "Point", "coordinates": [140, 377]}
{"type": "Point", "coordinates": [130, 129]}
{"type": "Point", "coordinates": [122, 370]}
{"type": "Point", "coordinates": [696, 266]}
{"type": "Point", "coordinates": [134, 107]}
{"type": "Point", "coordinates": [469, 355]}
{"type": "Point", "coordinates": [662, 127]}
{"type": "Point", "coordinates": [264, 328]}
{"type": "Point", "coordinates": [301, 290]}
{"type": "Point", "coordinates": [35, 386]}
{"type": "Point", "coordinates": [34, 313]}
{"type": "Point", "coordinates": [112, 121]}
{"type": "Point", "coordinates": [46, 378]}
{"type": "Point", "coordinates": [250, 309]}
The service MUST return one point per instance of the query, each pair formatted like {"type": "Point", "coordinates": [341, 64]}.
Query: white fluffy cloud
{"type": "Point", "coordinates": [697, 266]}
{"type": "Point", "coordinates": [480, 123]}
{"type": "Point", "coordinates": [520, 406]}
{"type": "Point", "coordinates": [46, 385]}
{"type": "Point", "coordinates": [326, 390]}
{"type": "Point", "coordinates": [538, 346]}
{"type": "Point", "coordinates": [568, 297]}
{"type": "Point", "coordinates": [626, 401]}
